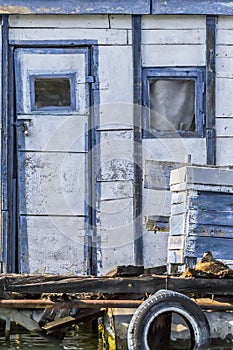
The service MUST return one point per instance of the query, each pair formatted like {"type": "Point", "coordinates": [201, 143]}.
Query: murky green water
{"type": "Point", "coordinates": [73, 341]}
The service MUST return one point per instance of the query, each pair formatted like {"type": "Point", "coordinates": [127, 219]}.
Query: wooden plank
{"type": "Point", "coordinates": [224, 37]}
{"type": "Point", "coordinates": [173, 22]}
{"type": "Point", "coordinates": [202, 7]}
{"type": "Point", "coordinates": [210, 230]}
{"type": "Point", "coordinates": [224, 66]}
{"type": "Point", "coordinates": [125, 271]}
{"type": "Point", "coordinates": [209, 217]}
{"type": "Point", "coordinates": [175, 150]}
{"type": "Point", "coordinates": [120, 22]}
{"type": "Point", "coordinates": [59, 21]}
{"type": "Point", "coordinates": [127, 285]}
{"type": "Point", "coordinates": [76, 7]}
{"type": "Point", "coordinates": [156, 202]}
{"type": "Point", "coordinates": [157, 174]}
{"type": "Point", "coordinates": [211, 201]}
{"type": "Point", "coordinates": [224, 22]}
{"type": "Point", "coordinates": [114, 190]}
{"type": "Point", "coordinates": [220, 247]}
{"type": "Point", "coordinates": [173, 55]}
{"type": "Point", "coordinates": [224, 87]}
{"type": "Point", "coordinates": [173, 37]}
{"type": "Point", "coordinates": [223, 157]}
{"type": "Point", "coordinates": [104, 36]}
{"type": "Point", "coordinates": [210, 88]}
{"type": "Point", "coordinates": [224, 127]}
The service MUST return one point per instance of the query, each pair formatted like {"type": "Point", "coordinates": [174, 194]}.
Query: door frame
{"type": "Point", "coordinates": [9, 154]}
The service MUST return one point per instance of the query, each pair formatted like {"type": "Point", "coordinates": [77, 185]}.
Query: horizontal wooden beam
{"type": "Point", "coordinates": [105, 285]}
{"type": "Point", "coordinates": [81, 304]}
{"type": "Point", "coordinates": [197, 7]}
{"type": "Point", "coordinates": [75, 7]}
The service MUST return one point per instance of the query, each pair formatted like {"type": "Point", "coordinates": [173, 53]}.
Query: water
{"type": "Point", "coordinates": [73, 341]}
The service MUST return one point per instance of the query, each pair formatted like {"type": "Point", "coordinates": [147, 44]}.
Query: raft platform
{"type": "Point", "coordinates": [50, 304]}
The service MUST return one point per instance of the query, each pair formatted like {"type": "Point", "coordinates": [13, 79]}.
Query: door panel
{"type": "Point", "coordinates": [52, 109]}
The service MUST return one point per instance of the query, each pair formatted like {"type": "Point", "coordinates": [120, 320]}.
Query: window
{"type": "Point", "coordinates": [174, 101]}
{"type": "Point", "coordinates": [51, 92]}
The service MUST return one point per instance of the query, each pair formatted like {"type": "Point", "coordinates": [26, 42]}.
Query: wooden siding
{"type": "Point", "coordinates": [201, 219]}
{"type": "Point", "coordinates": [173, 41]}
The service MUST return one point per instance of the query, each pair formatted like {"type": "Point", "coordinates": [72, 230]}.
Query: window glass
{"type": "Point", "coordinates": [52, 92]}
{"type": "Point", "coordinates": [172, 105]}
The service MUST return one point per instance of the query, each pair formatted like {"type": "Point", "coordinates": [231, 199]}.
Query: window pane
{"type": "Point", "coordinates": [172, 104]}
{"type": "Point", "coordinates": [52, 92]}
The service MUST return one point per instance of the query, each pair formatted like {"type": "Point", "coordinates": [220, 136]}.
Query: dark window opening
{"type": "Point", "coordinates": [52, 92]}
{"type": "Point", "coordinates": [174, 102]}
{"type": "Point", "coordinates": [172, 105]}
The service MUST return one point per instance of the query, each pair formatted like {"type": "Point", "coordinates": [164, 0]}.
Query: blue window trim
{"type": "Point", "coordinates": [70, 76]}
{"type": "Point", "coordinates": [196, 74]}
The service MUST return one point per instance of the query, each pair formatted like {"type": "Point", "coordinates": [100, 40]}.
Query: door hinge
{"type": "Point", "coordinates": [93, 81]}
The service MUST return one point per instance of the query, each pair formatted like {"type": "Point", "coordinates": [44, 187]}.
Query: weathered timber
{"type": "Point", "coordinates": [83, 315]}
{"type": "Point", "coordinates": [81, 304]}
{"type": "Point", "coordinates": [125, 270]}
{"type": "Point", "coordinates": [128, 285]}
{"type": "Point", "coordinates": [209, 304]}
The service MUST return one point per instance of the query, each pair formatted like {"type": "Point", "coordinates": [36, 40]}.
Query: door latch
{"type": "Point", "coordinates": [25, 128]}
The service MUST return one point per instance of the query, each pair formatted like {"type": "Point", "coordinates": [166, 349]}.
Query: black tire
{"type": "Point", "coordinates": [166, 302]}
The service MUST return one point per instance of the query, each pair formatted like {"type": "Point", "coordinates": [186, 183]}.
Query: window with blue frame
{"type": "Point", "coordinates": [52, 92]}
{"type": "Point", "coordinates": [174, 102]}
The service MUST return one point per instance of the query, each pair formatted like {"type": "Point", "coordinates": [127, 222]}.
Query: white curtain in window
{"type": "Point", "coordinates": [172, 104]}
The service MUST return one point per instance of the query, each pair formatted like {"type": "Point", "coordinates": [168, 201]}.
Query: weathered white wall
{"type": "Point", "coordinates": [115, 171]}
{"type": "Point", "coordinates": [224, 90]}
{"type": "Point", "coordinates": [169, 41]}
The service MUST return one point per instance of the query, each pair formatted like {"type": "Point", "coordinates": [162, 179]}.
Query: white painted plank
{"type": "Point", "coordinates": [54, 133]}
{"type": "Point", "coordinates": [224, 67]}
{"type": "Point", "coordinates": [155, 248]}
{"type": "Point", "coordinates": [104, 36]}
{"type": "Point", "coordinates": [173, 22]}
{"type": "Point", "coordinates": [175, 150]}
{"type": "Point", "coordinates": [114, 215]}
{"type": "Point", "coordinates": [59, 21]}
{"type": "Point", "coordinates": [156, 202]}
{"type": "Point", "coordinates": [174, 37]}
{"type": "Point", "coordinates": [224, 37]}
{"type": "Point", "coordinates": [52, 183]}
{"type": "Point", "coordinates": [115, 190]}
{"type": "Point", "coordinates": [224, 127]}
{"type": "Point", "coordinates": [173, 55]}
{"type": "Point", "coordinates": [225, 22]}
{"type": "Point", "coordinates": [116, 254]}
{"type": "Point", "coordinates": [116, 156]}
{"type": "Point", "coordinates": [224, 51]}
{"type": "Point", "coordinates": [224, 93]}
{"type": "Point", "coordinates": [224, 154]}
{"type": "Point", "coordinates": [116, 101]}
{"type": "Point", "coordinates": [120, 21]}
{"type": "Point", "coordinates": [55, 245]}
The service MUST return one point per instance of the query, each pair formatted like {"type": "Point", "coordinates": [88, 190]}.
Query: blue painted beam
{"type": "Point", "coordinates": [75, 7]}
{"type": "Point", "coordinates": [199, 7]}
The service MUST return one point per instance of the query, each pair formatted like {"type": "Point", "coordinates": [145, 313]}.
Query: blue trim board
{"type": "Point", "coordinates": [75, 7]}
{"type": "Point", "coordinates": [136, 7]}
{"type": "Point", "coordinates": [192, 7]}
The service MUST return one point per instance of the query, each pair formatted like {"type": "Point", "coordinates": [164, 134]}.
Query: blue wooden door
{"type": "Point", "coordinates": [52, 107]}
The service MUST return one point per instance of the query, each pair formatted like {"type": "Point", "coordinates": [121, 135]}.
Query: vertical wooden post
{"type": "Point", "coordinates": [210, 88]}
{"type": "Point", "coordinates": [137, 72]}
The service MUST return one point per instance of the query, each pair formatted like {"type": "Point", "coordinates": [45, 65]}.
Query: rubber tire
{"type": "Point", "coordinates": [165, 301]}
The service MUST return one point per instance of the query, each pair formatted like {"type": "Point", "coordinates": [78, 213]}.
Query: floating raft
{"type": "Point", "coordinates": [50, 304]}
